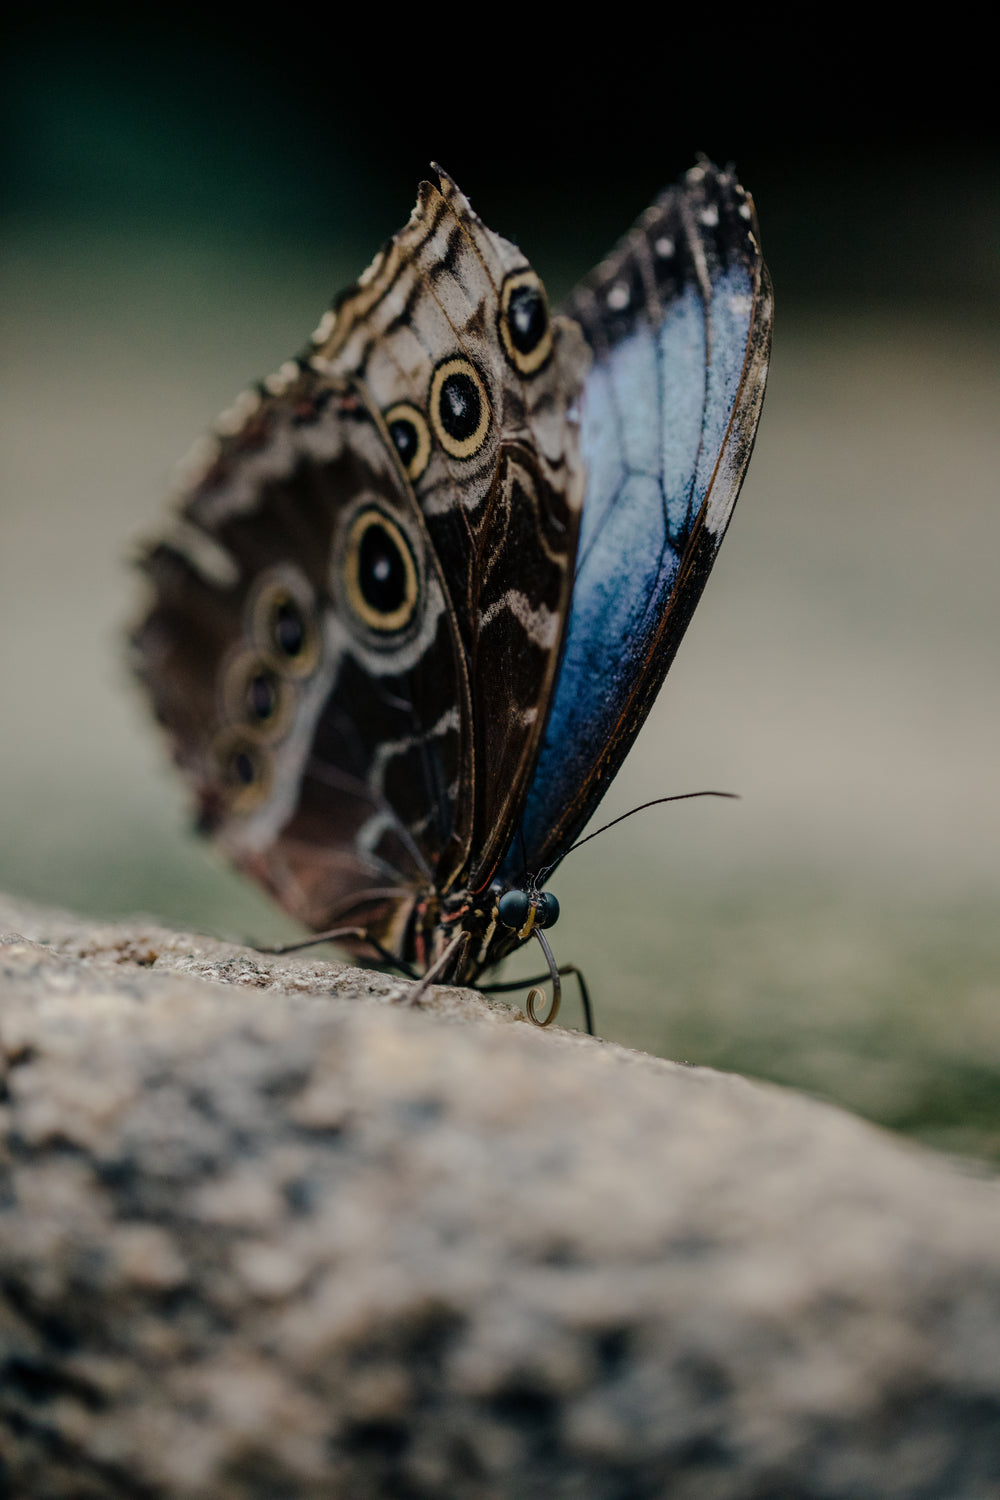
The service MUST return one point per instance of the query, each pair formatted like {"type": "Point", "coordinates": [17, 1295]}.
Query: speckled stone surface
{"type": "Point", "coordinates": [266, 1233]}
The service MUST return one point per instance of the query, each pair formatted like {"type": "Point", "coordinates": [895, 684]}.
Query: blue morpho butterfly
{"type": "Point", "coordinates": [427, 579]}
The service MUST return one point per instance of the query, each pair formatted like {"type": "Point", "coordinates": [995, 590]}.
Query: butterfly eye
{"type": "Point", "coordinates": [256, 697]}
{"type": "Point", "coordinates": [412, 440]}
{"type": "Point", "coordinates": [548, 909]}
{"type": "Point", "coordinates": [459, 407]}
{"type": "Point", "coordinates": [380, 573]}
{"type": "Point", "coordinates": [245, 769]}
{"type": "Point", "coordinates": [525, 331]}
{"type": "Point", "coordinates": [285, 629]}
{"type": "Point", "coordinates": [513, 908]}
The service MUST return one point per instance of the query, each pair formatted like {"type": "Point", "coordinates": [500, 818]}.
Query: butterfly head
{"type": "Point", "coordinates": [522, 911]}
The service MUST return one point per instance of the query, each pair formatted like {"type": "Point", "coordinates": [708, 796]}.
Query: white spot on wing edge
{"type": "Point", "coordinates": [709, 215]}
{"type": "Point", "coordinates": [370, 272]}
{"type": "Point", "coordinates": [722, 497]}
{"type": "Point", "coordinates": [618, 297]}
{"type": "Point", "coordinates": [324, 327]}
{"type": "Point", "coordinates": [210, 560]}
{"type": "Point", "coordinates": [279, 382]}
{"type": "Point", "coordinates": [196, 463]}
{"type": "Point", "coordinates": [234, 417]}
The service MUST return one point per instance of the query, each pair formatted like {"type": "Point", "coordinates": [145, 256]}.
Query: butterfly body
{"type": "Point", "coordinates": [426, 580]}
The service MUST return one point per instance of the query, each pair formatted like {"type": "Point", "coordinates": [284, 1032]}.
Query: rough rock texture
{"type": "Point", "coordinates": [263, 1233]}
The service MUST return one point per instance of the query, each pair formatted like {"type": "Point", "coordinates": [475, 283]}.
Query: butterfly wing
{"type": "Point", "coordinates": [322, 716]}
{"type": "Point", "coordinates": [679, 321]}
{"type": "Point", "coordinates": [359, 615]}
{"type": "Point", "coordinates": [450, 333]}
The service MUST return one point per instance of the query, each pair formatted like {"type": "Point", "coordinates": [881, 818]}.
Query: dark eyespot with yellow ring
{"type": "Point", "coordinates": [257, 697]}
{"type": "Point", "coordinates": [263, 693]}
{"type": "Point", "coordinates": [285, 629]}
{"type": "Point", "coordinates": [410, 436]}
{"type": "Point", "coordinates": [459, 407]}
{"type": "Point", "coordinates": [380, 573]}
{"type": "Point", "coordinates": [523, 322]}
{"type": "Point", "coordinates": [246, 771]}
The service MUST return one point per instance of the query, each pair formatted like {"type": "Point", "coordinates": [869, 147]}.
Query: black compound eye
{"type": "Point", "coordinates": [525, 331]}
{"type": "Point", "coordinates": [548, 909]}
{"type": "Point", "coordinates": [380, 572]}
{"type": "Point", "coordinates": [410, 436]}
{"type": "Point", "coordinates": [460, 408]}
{"type": "Point", "coordinates": [513, 908]}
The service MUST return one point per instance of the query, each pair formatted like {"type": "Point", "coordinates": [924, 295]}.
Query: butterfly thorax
{"type": "Point", "coordinates": [465, 934]}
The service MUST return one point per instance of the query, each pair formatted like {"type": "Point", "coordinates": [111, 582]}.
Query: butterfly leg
{"type": "Point", "coordinates": [338, 934]}
{"type": "Point", "coordinates": [440, 965]}
{"type": "Point", "coordinates": [508, 985]}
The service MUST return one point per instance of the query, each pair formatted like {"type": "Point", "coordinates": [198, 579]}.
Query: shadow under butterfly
{"type": "Point", "coordinates": [426, 580]}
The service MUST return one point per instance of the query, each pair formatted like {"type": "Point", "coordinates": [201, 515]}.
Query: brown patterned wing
{"type": "Point", "coordinates": [449, 333]}
{"type": "Point", "coordinates": [304, 658]}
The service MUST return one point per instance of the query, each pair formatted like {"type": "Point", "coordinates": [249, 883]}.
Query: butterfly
{"type": "Point", "coordinates": [426, 580]}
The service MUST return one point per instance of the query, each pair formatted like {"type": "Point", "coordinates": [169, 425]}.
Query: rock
{"type": "Point", "coordinates": [265, 1233]}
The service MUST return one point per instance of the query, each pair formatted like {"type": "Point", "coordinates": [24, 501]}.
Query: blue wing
{"type": "Point", "coordinates": [679, 321]}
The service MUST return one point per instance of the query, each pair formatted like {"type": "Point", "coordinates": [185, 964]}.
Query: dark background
{"type": "Point", "coordinates": [853, 127]}
{"type": "Point", "coordinates": [182, 194]}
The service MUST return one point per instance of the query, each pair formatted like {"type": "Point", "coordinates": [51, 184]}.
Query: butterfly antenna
{"type": "Point", "coordinates": [656, 802]}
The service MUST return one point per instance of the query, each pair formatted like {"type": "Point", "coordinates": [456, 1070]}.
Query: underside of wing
{"type": "Point", "coordinates": [679, 321]}
{"type": "Point", "coordinates": [302, 655]}
{"type": "Point", "coordinates": [449, 331]}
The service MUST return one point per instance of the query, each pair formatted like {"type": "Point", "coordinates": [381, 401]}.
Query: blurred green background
{"type": "Point", "coordinates": [181, 198]}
